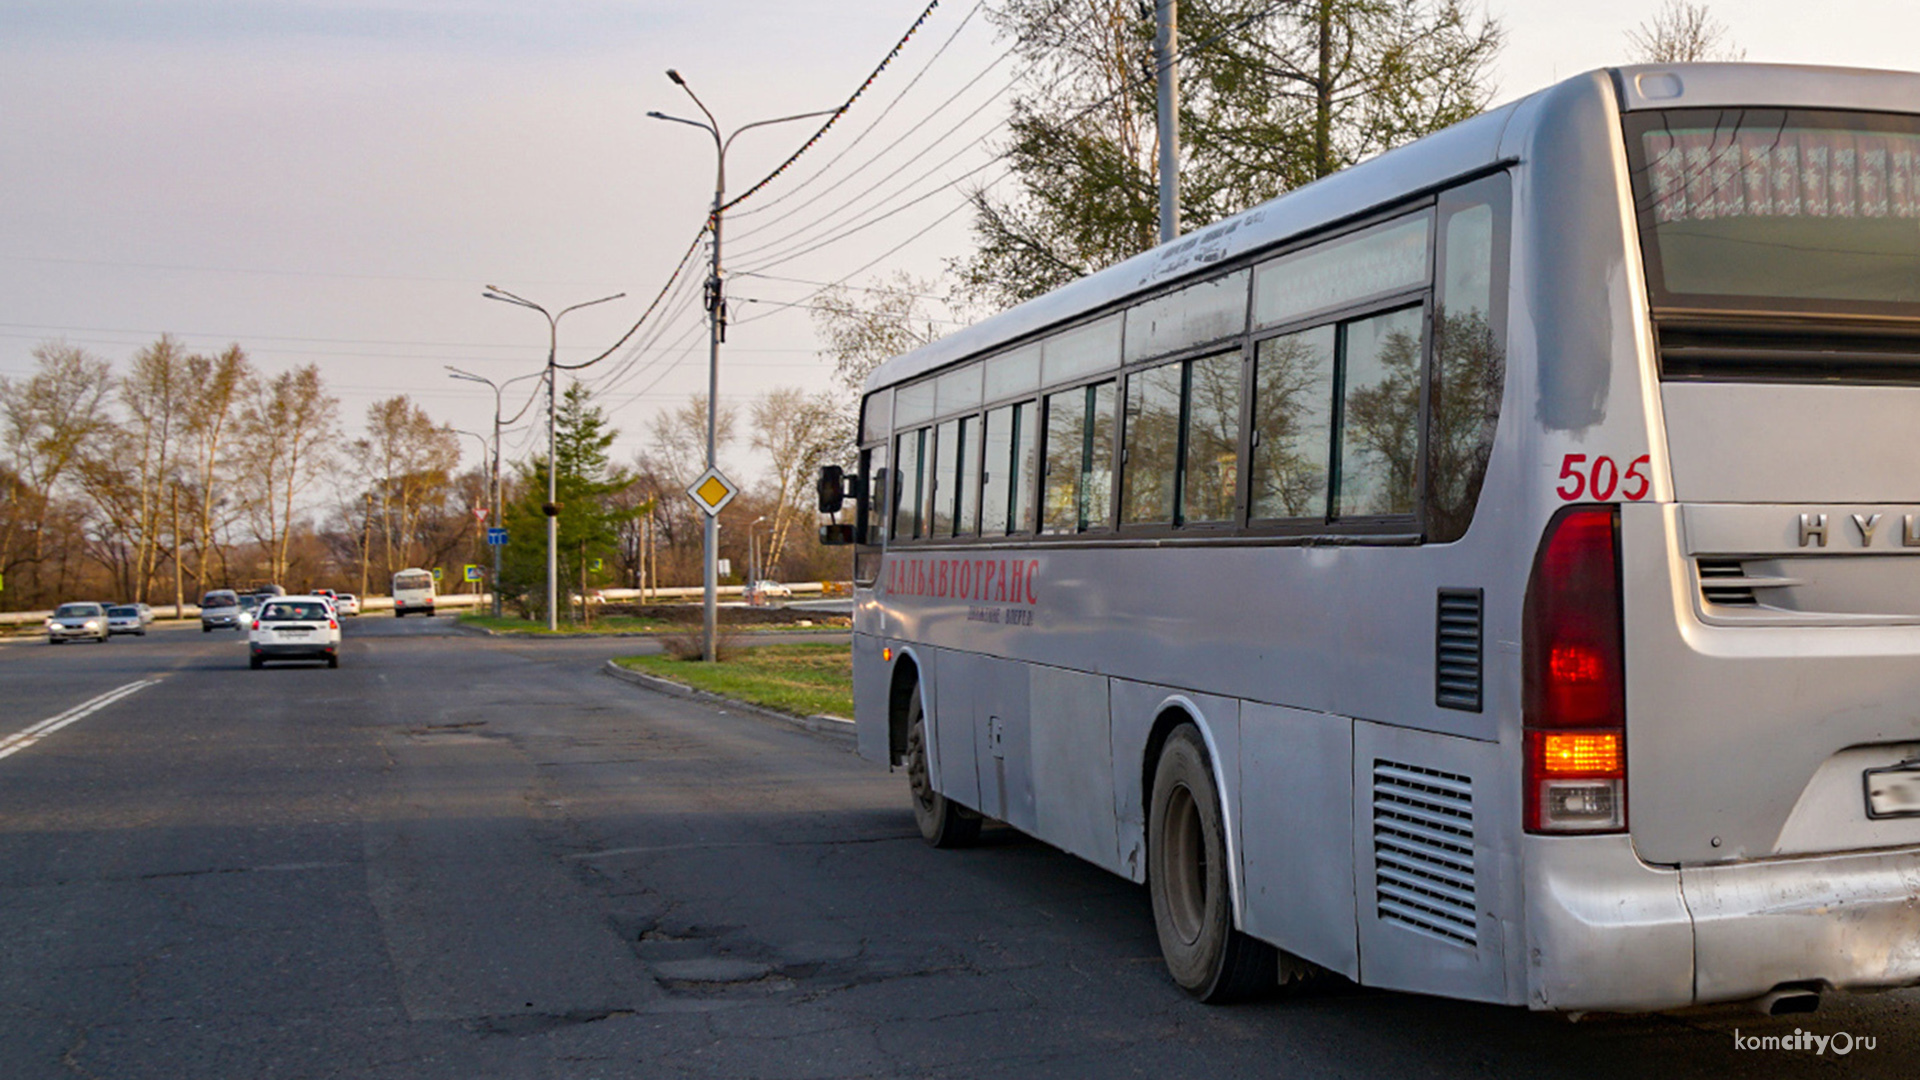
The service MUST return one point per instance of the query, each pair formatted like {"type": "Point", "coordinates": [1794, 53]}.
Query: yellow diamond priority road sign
{"type": "Point", "coordinates": [712, 491]}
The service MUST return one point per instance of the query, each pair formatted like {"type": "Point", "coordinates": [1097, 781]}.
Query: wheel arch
{"type": "Point", "coordinates": [1174, 710]}
{"type": "Point", "coordinates": [903, 683]}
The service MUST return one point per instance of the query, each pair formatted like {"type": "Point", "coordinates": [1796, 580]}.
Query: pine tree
{"type": "Point", "coordinates": [590, 514]}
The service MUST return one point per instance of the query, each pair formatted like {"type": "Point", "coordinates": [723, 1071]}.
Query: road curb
{"type": "Point", "coordinates": [830, 727]}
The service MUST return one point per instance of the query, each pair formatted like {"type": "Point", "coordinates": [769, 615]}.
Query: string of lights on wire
{"type": "Point", "coordinates": [837, 113]}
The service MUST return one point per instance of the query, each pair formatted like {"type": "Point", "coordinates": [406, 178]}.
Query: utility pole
{"type": "Point", "coordinates": [366, 542]}
{"type": "Point", "coordinates": [1167, 78]}
{"type": "Point", "coordinates": [717, 332]}
{"type": "Point", "coordinates": [552, 507]}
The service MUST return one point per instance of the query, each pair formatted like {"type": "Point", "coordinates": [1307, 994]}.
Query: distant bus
{"type": "Point", "coordinates": [413, 593]}
{"type": "Point", "coordinates": [1491, 571]}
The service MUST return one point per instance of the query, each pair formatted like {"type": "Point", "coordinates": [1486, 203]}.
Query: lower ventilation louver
{"type": "Point", "coordinates": [1423, 851]}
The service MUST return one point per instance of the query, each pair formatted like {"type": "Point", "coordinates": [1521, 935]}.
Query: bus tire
{"type": "Point", "coordinates": [943, 822]}
{"type": "Point", "coordinates": [1187, 879]}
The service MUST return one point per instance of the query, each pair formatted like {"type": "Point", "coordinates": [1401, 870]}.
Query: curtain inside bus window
{"type": "Point", "coordinates": [968, 478]}
{"type": "Point", "coordinates": [1469, 369]}
{"type": "Point", "coordinates": [1153, 445]}
{"type": "Point", "coordinates": [1765, 209]}
{"type": "Point", "coordinates": [944, 480]}
{"type": "Point", "coordinates": [1212, 472]}
{"type": "Point", "coordinates": [1292, 425]}
{"type": "Point", "coordinates": [906, 485]}
{"type": "Point", "coordinates": [1379, 415]}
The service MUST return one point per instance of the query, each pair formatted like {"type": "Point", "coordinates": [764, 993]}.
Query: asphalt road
{"type": "Point", "coordinates": [463, 858]}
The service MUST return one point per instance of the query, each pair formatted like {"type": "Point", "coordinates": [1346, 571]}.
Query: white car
{"type": "Point", "coordinates": [294, 628]}
{"type": "Point", "coordinates": [125, 619]}
{"type": "Point", "coordinates": [71, 622]}
{"type": "Point", "coordinates": [347, 603]}
{"type": "Point", "coordinates": [770, 588]}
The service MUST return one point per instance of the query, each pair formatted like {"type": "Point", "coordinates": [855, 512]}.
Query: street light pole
{"type": "Point", "coordinates": [716, 330]}
{"type": "Point", "coordinates": [495, 496]}
{"type": "Point", "coordinates": [552, 508]}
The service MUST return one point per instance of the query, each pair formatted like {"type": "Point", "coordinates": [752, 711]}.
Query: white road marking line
{"type": "Point", "coordinates": [20, 740]}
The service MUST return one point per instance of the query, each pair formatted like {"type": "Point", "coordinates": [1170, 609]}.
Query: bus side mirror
{"type": "Point", "coordinates": [831, 488]}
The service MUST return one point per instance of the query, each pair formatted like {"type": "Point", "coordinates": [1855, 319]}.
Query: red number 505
{"type": "Point", "coordinates": [1600, 480]}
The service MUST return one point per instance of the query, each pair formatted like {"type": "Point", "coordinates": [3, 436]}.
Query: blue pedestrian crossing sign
{"type": "Point", "coordinates": [497, 537]}
{"type": "Point", "coordinates": [473, 572]}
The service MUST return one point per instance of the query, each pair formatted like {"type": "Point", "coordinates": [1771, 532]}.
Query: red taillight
{"type": "Point", "coordinates": [1575, 677]}
{"type": "Point", "coordinates": [256, 624]}
{"type": "Point", "coordinates": [332, 625]}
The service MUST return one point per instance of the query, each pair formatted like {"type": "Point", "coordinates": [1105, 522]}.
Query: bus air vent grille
{"type": "Point", "coordinates": [1423, 874]}
{"type": "Point", "coordinates": [1734, 588]}
{"type": "Point", "coordinates": [1457, 639]}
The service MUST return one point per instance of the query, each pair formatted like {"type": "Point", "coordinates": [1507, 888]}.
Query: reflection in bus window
{"type": "Point", "coordinates": [1026, 466]}
{"type": "Point", "coordinates": [1212, 471]}
{"type": "Point", "coordinates": [969, 490]}
{"type": "Point", "coordinates": [1468, 373]}
{"type": "Point", "coordinates": [1380, 415]}
{"type": "Point", "coordinates": [1079, 477]}
{"type": "Point", "coordinates": [945, 474]}
{"type": "Point", "coordinates": [1292, 425]}
{"type": "Point", "coordinates": [906, 485]}
{"type": "Point", "coordinates": [1153, 445]}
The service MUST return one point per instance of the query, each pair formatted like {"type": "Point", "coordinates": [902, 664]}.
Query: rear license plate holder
{"type": "Point", "coordinates": [1893, 792]}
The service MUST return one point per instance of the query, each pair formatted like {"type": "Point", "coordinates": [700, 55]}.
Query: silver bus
{"type": "Point", "coordinates": [1492, 571]}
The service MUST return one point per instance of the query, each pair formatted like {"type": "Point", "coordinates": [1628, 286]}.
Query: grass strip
{"type": "Point", "coordinates": [805, 679]}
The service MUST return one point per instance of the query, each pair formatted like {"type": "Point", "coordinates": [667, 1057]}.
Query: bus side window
{"type": "Point", "coordinates": [1469, 368]}
{"type": "Point", "coordinates": [965, 518]}
{"type": "Point", "coordinates": [1292, 425]}
{"type": "Point", "coordinates": [944, 480]}
{"type": "Point", "coordinates": [1153, 445]}
{"type": "Point", "coordinates": [1379, 445]}
{"type": "Point", "coordinates": [906, 485]}
{"type": "Point", "coordinates": [1078, 489]}
{"type": "Point", "coordinates": [1210, 471]}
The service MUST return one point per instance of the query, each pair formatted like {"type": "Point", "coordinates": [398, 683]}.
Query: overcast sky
{"type": "Point", "coordinates": [333, 181]}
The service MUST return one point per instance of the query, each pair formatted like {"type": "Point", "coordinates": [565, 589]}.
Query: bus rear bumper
{"type": "Point", "coordinates": [1606, 931]}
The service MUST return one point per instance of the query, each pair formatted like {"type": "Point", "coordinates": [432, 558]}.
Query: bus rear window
{"type": "Point", "coordinates": [1771, 210]}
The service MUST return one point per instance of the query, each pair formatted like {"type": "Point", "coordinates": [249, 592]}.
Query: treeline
{"type": "Point", "coordinates": [187, 471]}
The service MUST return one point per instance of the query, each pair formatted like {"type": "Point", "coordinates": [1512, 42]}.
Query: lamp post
{"type": "Point", "coordinates": [552, 508]}
{"type": "Point", "coordinates": [716, 320]}
{"type": "Point", "coordinates": [494, 495]}
{"type": "Point", "coordinates": [485, 449]}
{"type": "Point", "coordinates": [753, 560]}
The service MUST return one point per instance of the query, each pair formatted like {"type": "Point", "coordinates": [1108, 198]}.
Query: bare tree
{"type": "Point", "coordinates": [1682, 32]}
{"type": "Point", "coordinates": [407, 461]}
{"type": "Point", "coordinates": [156, 394]}
{"type": "Point", "coordinates": [888, 318]}
{"type": "Point", "coordinates": [288, 425]}
{"type": "Point", "coordinates": [221, 383]}
{"type": "Point", "coordinates": [799, 432]}
{"type": "Point", "coordinates": [46, 423]}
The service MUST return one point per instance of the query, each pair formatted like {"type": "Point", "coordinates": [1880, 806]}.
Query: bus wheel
{"type": "Point", "coordinates": [944, 823]}
{"type": "Point", "coordinates": [1187, 877]}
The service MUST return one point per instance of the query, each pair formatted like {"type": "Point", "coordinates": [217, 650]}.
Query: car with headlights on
{"type": "Point", "coordinates": [294, 628]}
{"type": "Point", "coordinates": [220, 610]}
{"type": "Point", "coordinates": [78, 622]}
{"type": "Point", "coordinates": [125, 619]}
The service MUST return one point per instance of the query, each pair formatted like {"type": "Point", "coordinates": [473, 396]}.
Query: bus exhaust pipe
{"type": "Point", "coordinates": [1788, 1000]}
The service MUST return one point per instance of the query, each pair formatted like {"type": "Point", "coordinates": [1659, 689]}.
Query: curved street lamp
{"type": "Point", "coordinates": [717, 321]}
{"type": "Point", "coordinates": [494, 292]}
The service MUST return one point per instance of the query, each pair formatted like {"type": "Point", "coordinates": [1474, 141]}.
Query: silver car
{"type": "Point", "coordinates": [220, 610]}
{"type": "Point", "coordinates": [125, 619]}
{"type": "Point", "coordinates": [83, 622]}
